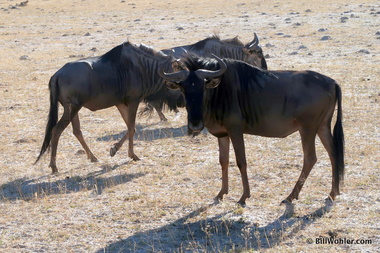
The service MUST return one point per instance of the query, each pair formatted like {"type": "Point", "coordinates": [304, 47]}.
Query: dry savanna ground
{"type": "Point", "coordinates": [164, 202]}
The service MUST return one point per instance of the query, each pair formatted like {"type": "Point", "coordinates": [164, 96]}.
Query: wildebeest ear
{"type": "Point", "coordinates": [172, 85]}
{"type": "Point", "coordinates": [255, 50]}
{"type": "Point", "coordinates": [248, 50]}
{"type": "Point", "coordinates": [212, 83]}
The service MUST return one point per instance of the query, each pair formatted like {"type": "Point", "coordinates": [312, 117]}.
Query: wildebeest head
{"type": "Point", "coordinates": [192, 82]}
{"type": "Point", "coordinates": [254, 54]}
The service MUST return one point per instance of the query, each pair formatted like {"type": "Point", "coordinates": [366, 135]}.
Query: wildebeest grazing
{"type": "Point", "coordinates": [122, 77]}
{"type": "Point", "coordinates": [232, 48]}
{"type": "Point", "coordinates": [232, 98]}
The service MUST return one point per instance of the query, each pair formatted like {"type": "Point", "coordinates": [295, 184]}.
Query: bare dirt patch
{"type": "Point", "coordinates": [164, 203]}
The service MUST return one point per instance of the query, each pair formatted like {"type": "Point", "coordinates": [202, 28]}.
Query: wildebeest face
{"type": "Point", "coordinates": [193, 89]}
{"type": "Point", "coordinates": [192, 85]}
{"type": "Point", "coordinates": [255, 57]}
{"type": "Point", "coordinates": [253, 54]}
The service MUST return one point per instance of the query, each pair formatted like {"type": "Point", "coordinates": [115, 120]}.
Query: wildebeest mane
{"type": "Point", "coordinates": [233, 41]}
{"type": "Point", "coordinates": [137, 64]}
{"type": "Point", "coordinates": [150, 52]}
{"type": "Point", "coordinates": [230, 42]}
{"type": "Point", "coordinates": [115, 53]}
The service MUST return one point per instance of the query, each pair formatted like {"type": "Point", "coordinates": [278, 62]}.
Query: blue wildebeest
{"type": "Point", "coordinates": [227, 48]}
{"type": "Point", "coordinates": [232, 48]}
{"type": "Point", "coordinates": [122, 77]}
{"type": "Point", "coordinates": [232, 98]}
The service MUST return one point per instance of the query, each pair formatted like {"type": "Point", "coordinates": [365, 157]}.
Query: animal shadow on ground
{"type": "Point", "coordinates": [25, 189]}
{"type": "Point", "coordinates": [145, 133]}
{"type": "Point", "coordinates": [226, 232]}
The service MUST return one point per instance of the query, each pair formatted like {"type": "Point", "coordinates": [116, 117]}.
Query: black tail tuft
{"type": "Point", "coordinates": [147, 111]}
{"type": "Point", "coordinates": [338, 139]}
{"type": "Point", "coordinates": [53, 116]}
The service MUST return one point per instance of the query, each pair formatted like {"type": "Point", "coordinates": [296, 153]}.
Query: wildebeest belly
{"type": "Point", "coordinates": [101, 102]}
{"type": "Point", "coordinates": [272, 127]}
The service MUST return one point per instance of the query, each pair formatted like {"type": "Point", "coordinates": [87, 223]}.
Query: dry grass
{"type": "Point", "coordinates": [164, 203]}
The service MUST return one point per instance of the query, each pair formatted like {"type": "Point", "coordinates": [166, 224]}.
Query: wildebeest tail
{"type": "Point", "coordinates": [338, 139]}
{"type": "Point", "coordinates": [53, 115]}
{"type": "Point", "coordinates": [146, 111]}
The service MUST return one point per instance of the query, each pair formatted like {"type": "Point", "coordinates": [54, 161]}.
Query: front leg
{"type": "Point", "coordinates": [224, 152]}
{"type": "Point", "coordinates": [131, 124]}
{"type": "Point", "coordinates": [129, 115]}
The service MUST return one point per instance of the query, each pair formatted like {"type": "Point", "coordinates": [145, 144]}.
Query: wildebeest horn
{"type": "Point", "coordinates": [254, 42]}
{"type": "Point", "coordinates": [209, 74]}
{"type": "Point", "coordinates": [175, 76]}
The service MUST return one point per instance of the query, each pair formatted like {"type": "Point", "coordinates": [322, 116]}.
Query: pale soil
{"type": "Point", "coordinates": [165, 201]}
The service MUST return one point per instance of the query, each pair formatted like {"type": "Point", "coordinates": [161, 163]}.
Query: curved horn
{"type": "Point", "coordinates": [254, 42]}
{"type": "Point", "coordinates": [209, 74]}
{"type": "Point", "coordinates": [175, 76]}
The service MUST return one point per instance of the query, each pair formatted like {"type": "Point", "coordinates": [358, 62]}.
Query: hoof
{"type": "Point", "coordinates": [94, 159]}
{"type": "Point", "coordinates": [285, 202]}
{"type": "Point", "coordinates": [134, 157]}
{"type": "Point", "coordinates": [54, 169]}
{"type": "Point", "coordinates": [241, 203]}
{"type": "Point", "coordinates": [217, 200]}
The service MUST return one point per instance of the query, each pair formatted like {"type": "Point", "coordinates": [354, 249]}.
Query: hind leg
{"type": "Point", "coordinates": [78, 133]}
{"type": "Point", "coordinates": [56, 133]}
{"type": "Point", "coordinates": [326, 138]}
{"type": "Point", "coordinates": [310, 158]}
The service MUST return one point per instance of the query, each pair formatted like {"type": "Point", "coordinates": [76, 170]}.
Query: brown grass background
{"type": "Point", "coordinates": [164, 203]}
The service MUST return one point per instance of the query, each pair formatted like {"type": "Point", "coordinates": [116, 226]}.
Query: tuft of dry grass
{"type": "Point", "coordinates": [164, 202]}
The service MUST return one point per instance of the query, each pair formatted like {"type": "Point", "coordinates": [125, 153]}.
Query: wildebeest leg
{"type": "Point", "coordinates": [326, 138]}
{"type": "Point", "coordinates": [123, 109]}
{"type": "Point", "coordinates": [78, 133]}
{"type": "Point", "coordinates": [129, 115]}
{"type": "Point", "coordinates": [159, 112]}
{"type": "Point", "coordinates": [224, 152]}
{"type": "Point", "coordinates": [239, 148]}
{"type": "Point", "coordinates": [118, 145]}
{"type": "Point", "coordinates": [309, 159]}
{"type": "Point", "coordinates": [68, 114]}
{"type": "Point", "coordinates": [131, 124]}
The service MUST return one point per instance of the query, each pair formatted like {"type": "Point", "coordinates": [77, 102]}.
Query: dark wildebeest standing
{"type": "Point", "coordinates": [231, 98]}
{"type": "Point", "coordinates": [226, 48]}
{"type": "Point", "coordinates": [122, 77]}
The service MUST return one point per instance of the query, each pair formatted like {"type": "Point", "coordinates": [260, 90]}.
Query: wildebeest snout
{"type": "Point", "coordinates": [195, 127]}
